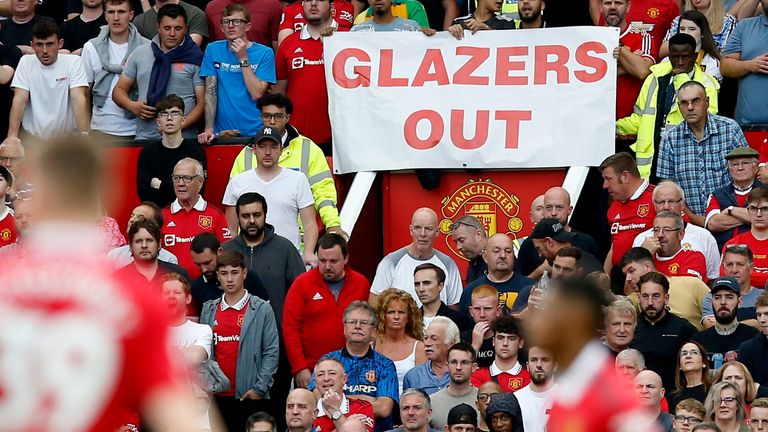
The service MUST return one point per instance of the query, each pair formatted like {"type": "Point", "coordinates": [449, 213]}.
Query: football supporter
{"type": "Point", "coordinates": [549, 236]}
{"type": "Point", "coordinates": [461, 418]}
{"type": "Point", "coordinates": [686, 294]}
{"type": "Point", "coordinates": [384, 16]}
{"type": "Point", "coordinates": [246, 344]}
{"type": "Point", "coordinates": [484, 310]}
{"type": "Point", "coordinates": [189, 214]}
{"type": "Point", "coordinates": [121, 256]}
{"type": "Point", "coordinates": [484, 394]}
{"type": "Point", "coordinates": [536, 214]}
{"type": "Point", "coordinates": [655, 17]}
{"type": "Point", "coordinates": [333, 407]}
{"type": "Point", "coordinates": [659, 334]}
{"type": "Point", "coordinates": [688, 413]}
{"type": "Point", "coordinates": [237, 74]}
{"type": "Point", "coordinates": [634, 54]}
{"type": "Point", "coordinates": [415, 411]}
{"type": "Point", "coordinates": [535, 398]}
{"type": "Point", "coordinates": [726, 407]}
{"type": "Point", "coordinates": [504, 414]}
{"type": "Point", "coordinates": [756, 239]}
{"type": "Point", "coordinates": [723, 339]}
{"type": "Point", "coordinates": [738, 263]}
{"type": "Point", "coordinates": [506, 369]}
{"type": "Point", "coordinates": [752, 352]}
{"type": "Point", "coordinates": [692, 378]}
{"type": "Point", "coordinates": [262, 422]}
{"type": "Point", "coordinates": [12, 156]}
{"type": "Point", "coordinates": [315, 304]}
{"type": "Point", "coordinates": [485, 17]}
{"type": "Point", "coordinates": [429, 282]}
{"type": "Point", "coordinates": [461, 365]}
{"type": "Point", "coordinates": [50, 89]}
{"type": "Point", "coordinates": [299, 154]}
{"type": "Point", "coordinates": [370, 375]}
{"type": "Point", "coordinates": [727, 215]}
{"type": "Point", "coordinates": [432, 375]}
{"type": "Point", "coordinates": [650, 392]}
{"type": "Point", "coordinates": [118, 372]}
{"type": "Point", "coordinates": [204, 250]}
{"type": "Point", "coordinates": [620, 323]}
{"type": "Point", "coordinates": [265, 20]}
{"type": "Point", "coordinates": [632, 211]}
{"type": "Point", "coordinates": [758, 415]}
{"type": "Point", "coordinates": [24, 216]}
{"type": "Point", "coordinates": [286, 191]}
{"type": "Point", "coordinates": [668, 196]}
{"type": "Point", "coordinates": [18, 29]}
{"type": "Point", "coordinates": [396, 269]}
{"type": "Point", "coordinates": [300, 410]}
{"type": "Point", "coordinates": [294, 20]}
{"type": "Point", "coordinates": [85, 26]}
{"type": "Point", "coordinates": [629, 363]}
{"type": "Point", "coordinates": [470, 237]}
{"type": "Point", "coordinates": [531, 14]}
{"type": "Point", "coordinates": [670, 258]}
{"type": "Point", "coordinates": [144, 242]}
{"type": "Point", "coordinates": [147, 21]}
{"type": "Point", "coordinates": [598, 398]}
{"type": "Point", "coordinates": [8, 233]}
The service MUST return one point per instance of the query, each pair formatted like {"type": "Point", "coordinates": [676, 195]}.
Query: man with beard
{"type": "Point", "coordinates": [659, 334]}
{"type": "Point", "coordinates": [535, 398]}
{"type": "Point", "coordinates": [461, 365]}
{"type": "Point", "coordinates": [723, 339]}
{"type": "Point", "coordinates": [531, 14]}
{"type": "Point", "coordinates": [144, 241]}
{"type": "Point", "coordinates": [432, 375]}
{"type": "Point", "coordinates": [738, 262]}
{"type": "Point", "coordinates": [470, 237]}
{"type": "Point", "coordinates": [650, 392]}
{"type": "Point", "coordinates": [314, 307]}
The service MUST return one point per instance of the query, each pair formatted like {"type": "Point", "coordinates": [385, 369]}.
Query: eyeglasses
{"type": "Point", "coordinates": [755, 209]}
{"type": "Point", "coordinates": [668, 202]}
{"type": "Point", "coordinates": [691, 420]}
{"type": "Point", "coordinates": [9, 159]}
{"type": "Point", "coordinates": [276, 116]}
{"type": "Point", "coordinates": [233, 21]}
{"type": "Point", "coordinates": [728, 400]}
{"type": "Point", "coordinates": [484, 396]}
{"type": "Point", "coordinates": [758, 422]}
{"type": "Point", "coordinates": [357, 322]}
{"type": "Point", "coordinates": [664, 230]}
{"type": "Point", "coordinates": [184, 178]}
{"type": "Point", "coordinates": [172, 114]}
{"type": "Point", "coordinates": [737, 247]}
{"type": "Point", "coordinates": [693, 352]}
{"type": "Point", "coordinates": [456, 225]}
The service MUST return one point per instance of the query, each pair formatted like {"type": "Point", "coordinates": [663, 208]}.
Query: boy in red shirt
{"type": "Point", "coordinates": [757, 237]}
{"type": "Point", "coordinates": [505, 369]}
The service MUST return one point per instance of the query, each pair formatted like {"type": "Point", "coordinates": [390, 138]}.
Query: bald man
{"type": "Point", "coordinates": [470, 237]}
{"type": "Point", "coordinates": [300, 410]}
{"type": "Point", "coordinates": [650, 392]}
{"type": "Point", "coordinates": [536, 214]}
{"type": "Point", "coordinates": [396, 269]}
{"type": "Point", "coordinates": [557, 205]}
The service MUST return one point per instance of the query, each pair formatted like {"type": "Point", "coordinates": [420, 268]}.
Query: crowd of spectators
{"type": "Point", "coordinates": [667, 325]}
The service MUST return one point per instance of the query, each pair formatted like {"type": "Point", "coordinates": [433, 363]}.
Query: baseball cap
{"type": "Point", "coordinates": [727, 282]}
{"type": "Point", "coordinates": [552, 228]}
{"type": "Point", "coordinates": [269, 133]}
{"type": "Point", "coordinates": [462, 414]}
{"type": "Point", "coordinates": [6, 175]}
{"type": "Point", "coordinates": [742, 152]}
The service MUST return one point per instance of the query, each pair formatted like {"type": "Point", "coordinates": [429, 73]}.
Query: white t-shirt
{"type": "Point", "coordinates": [194, 334]}
{"type": "Point", "coordinates": [49, 109]}
{"type": "Point", "coordinates": [534, 407]}
{"type": "Point", "coordinates": [696, 239]}
{"type": "Point", "coordinates": [110, 118]}
{"type": "Point", "coordinates": [286, 194]}
{"type": "Point", "coordinates": [396, 271]}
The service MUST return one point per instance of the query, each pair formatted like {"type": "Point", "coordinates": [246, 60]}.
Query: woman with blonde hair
{"type": "Point", "coordinates": [725, 407]}
{"type": "Point", "coordinates": [735, 372]}
{"type": "Point", "coordinates": [400, 331]}
{"type": "Point", "coordinates": [721, 24]}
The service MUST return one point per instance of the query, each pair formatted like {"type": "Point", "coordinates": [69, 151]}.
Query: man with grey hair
{"type": "Point", "coordinates": [630, 362]}
{"type": "Point", "coordinates": [12, 157]}
{"type": "Point", "coordinates": [470, 237]}
{"type": "Point", "coordinates": [432, 375]}
{"type": "Point", "coordinates": [189, 214]}
{"type": "Point", "coordinates": [415, 411]}
{"type": "Point", "coordinates": [669, 196]}
{"type": "Point", "coordinates": [396, 269]}
{"type": "Point", "coordinates": [669, 256]}
{"type": "Point", "coordinates": [620, 323]}
{"type": "Point", "coordinates": [370, 375]}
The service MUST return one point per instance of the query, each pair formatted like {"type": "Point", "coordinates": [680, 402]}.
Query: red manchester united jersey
{"type": "Point", "coordinates": [628, 86]}
{"type": "Point", "coordinates": [630, 218]}
{"type": "Point", "coordinates": [759, 249]}
{"type": "Point", "coordinates": [7, 227]}
{"type": "Point", "coordinates": [324, 423]}
{"type": "Point", "coordinates": [293, 16]}
{"type": "Point", "coordinates": [181, 226]}
{"type": "Point", "coordinates": [81, 349]}
{"type": "Point", "coordinates": [683, 263]}
{"type": "Point", "coordinates": [510, 381]}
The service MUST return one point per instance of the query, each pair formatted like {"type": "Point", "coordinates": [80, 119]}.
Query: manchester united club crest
{"type": "Point", "coordinates": [5, 234]}
{"type": "Point", "coordinates": [674, 268]}
{"type": "Point", "coordinates": [654, 12]}
{"type": "Point", "coordinates": [205, 222]}
{"type": "Point", "coordinates": [515, 384]}
{"type": "Point", "coordinates": [493, 206]}
{"type": "Point", "coordinates": [643, 210]}
{"type": "Point", "coordinates": [371, 376]}
{"type": "Point", "coordinates": [240, 319]}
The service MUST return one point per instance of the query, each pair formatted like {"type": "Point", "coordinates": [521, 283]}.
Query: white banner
{"type": "Point", "coordinates": [496, 99]}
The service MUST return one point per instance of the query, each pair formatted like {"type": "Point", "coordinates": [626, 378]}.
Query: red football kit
{"type": "Point", "coordinates": [226, 338]}
{"type": "Point", "coordinates": [510, 380]}
{"type": "Point", "coordinates": [714, 207]}
{"type": "Point", "coordinates": [628, 86]}
{"type": "Point", "coordinates": [324, 423]}
{"type": "Point", "coordinates": [592, 397]}
{"type": "Point", "coordinates": [630, 218]}
{"type": "Point", "coordinates": [181, 226]}
{"type": "Point", "coordinates": [82, 350]}
{"type": "Point", "coordinates": [683, 263]}
{"type": "Point", "coordinates": [653, 16]}
{"type": "Point", "coordinates": [7, 227]}
{"type": "Point", "coordinates": [759, 250]}
{"type": "Point", "coordinates": [293, 16]}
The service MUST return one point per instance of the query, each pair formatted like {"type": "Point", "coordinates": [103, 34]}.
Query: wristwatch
{"type": "Point", "coordinates": [729, 210]}
{"type": "Point", "coordinates": [336, 415]}
{"type": "Point", "coordinates": [245, 63]}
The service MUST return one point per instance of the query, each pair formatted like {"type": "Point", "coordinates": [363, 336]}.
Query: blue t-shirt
{"type": "Point", "coordinates": [746, 310]}
{"type": "Point", "coordinates": [371, 375]}
{"type": "Point", "coordinates": [749, 38]}
{"type": "Point", "coordinates": [235, 108]}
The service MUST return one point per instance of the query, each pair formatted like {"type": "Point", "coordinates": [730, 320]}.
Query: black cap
{"type": "Point", "coordinates": [269, 133]}
{"type": "Point", "coordinates": [462, 414]}
{"type": "Point", "coordinates": [6, 175]}
{"type": "Point", "coordinates": [728, 283]}
{"type": "Point", "coordinates": [552, 228]}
